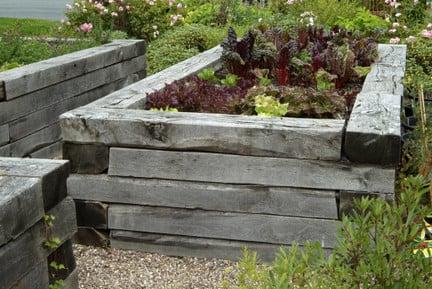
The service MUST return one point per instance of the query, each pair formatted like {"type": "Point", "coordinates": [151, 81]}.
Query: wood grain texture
{"type": "Point", "coordinates": [42, 138]}
{"type": "Point", "coordinates": [92, 214]}
{"type": "Point", "coordinates": [39, 99]}
{"type": "Point", "coordinates": [134, 96]}
{"type": "Point", "coordinates": [233, 169]}
{"type": "Point", "coordinates": [38, 75]}
{"type": "Point", "coordinates": [4, 134]}
{"type": "Point", "coordinates": [91, 237]}
{"type": "Point", "coordinates": [207, 196]}
{"type": "Point", "coordinates": [173, 245]}
{"type": "Point", "coordinates": [237, 134]}
{"type": "Point", "coordinates": [5, 151]}
{"type": "Point", "coordinates": [53, 175]}
{"type": "Point", "coordinates": [49, 115]}
{"type": "Point", "coordinates": [53, 151]}
{"type": "Point", "coordinates": [21, 206]}
{"type": "Point", "coordinates": [86, 158]}
{"type": "Point", "coordinates": [37, 278]}
{"type": "Point", "coordinates": [20, 256]}
{"type": "Point", "coordinates": [373, 133]}
{"type": "Point", "coordinates": [222, 225]}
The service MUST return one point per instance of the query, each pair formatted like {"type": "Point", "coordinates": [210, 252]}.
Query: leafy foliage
{"type": "Point", "coordinates": [197, 95]}
{"type": "Point", "coordinates": [375, 250]}
{"type": "Point", "coordinates": [363, 22]}
{"type": "Point", "coordinates": [269, 106]}
{"type": "Point", "coordinates": [181, 43]}
{"type": "Point", "coordinates": [314, 71]}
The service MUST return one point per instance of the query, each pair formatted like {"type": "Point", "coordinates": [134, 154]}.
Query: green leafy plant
{"type": "Point", "coordinates": [166, 109]}
{"type": "Point", "coordinates": [364, 22]}
{"type": "Point", "coordinates": [269, 106]}
{"type": "Point", "coordinates": [52, 243]}
{"type": "Point", "coordinates": [181, 43]}
{"type": "Point", "coordinates": [209, 75]}
{"type": "Point", "coordinates": [58, 284]}
{"type": "Point", "coordinates": [375, 250]}
{"type": "Point", "coordinates": [56, 266]}
{"type": "Point", "coordinates": [230, 80]}
{"type": "Point", "coordinates": [49, 220]}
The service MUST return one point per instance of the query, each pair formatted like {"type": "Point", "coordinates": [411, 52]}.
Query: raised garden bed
{"type": "Point", "coordinates": [31, 191]}
{"type": "Point", "coordinates": [33, 96]}
{"type": "Point", "coordinates": [206, 184]}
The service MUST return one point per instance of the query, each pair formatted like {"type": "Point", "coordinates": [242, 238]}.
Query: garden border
{"type": "Point", "coordinates": [33, 96]}
{"type": "Point", "coordinates": [173, 172]}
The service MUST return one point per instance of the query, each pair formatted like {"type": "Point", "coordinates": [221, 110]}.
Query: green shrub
{"type": "Point", "coordinates": [419, 66]}
{"type": "Point", "coordinates": [364, 22]}
{"type": "Point", "coordinates": [181, 43]}
{"type": "Point", "coordinates": [328, 12]}
{"type": "Point", "coordinates": [375, 251]}
{"type": "Point", "coordinates": [205, 14]}
{"type": "Point", "coordinates": [148, 21]}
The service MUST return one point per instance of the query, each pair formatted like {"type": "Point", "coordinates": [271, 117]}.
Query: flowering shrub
{"type": "Point", "coordinates": [405, 16]}
{"type": "Point", "coordinates": [150, 18]}
{"type": "Point", "coordinates": [145, 19]}
{"type": "Point", "coordinates": [96, 17]}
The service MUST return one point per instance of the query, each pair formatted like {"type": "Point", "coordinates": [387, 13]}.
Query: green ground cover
{"type": "Point", "coordinates": [29, 27]}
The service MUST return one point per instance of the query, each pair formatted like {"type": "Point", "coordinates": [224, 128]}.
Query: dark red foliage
{"type": "Point", "coordinates": [196, 95]}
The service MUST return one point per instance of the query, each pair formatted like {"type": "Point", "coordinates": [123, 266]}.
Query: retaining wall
{"type": "Point", "coordinates": [208, 184]}
{"type": "Point", "coordinates": [30, 191]}
{"type": "Point", "coordinates": [33, 96]}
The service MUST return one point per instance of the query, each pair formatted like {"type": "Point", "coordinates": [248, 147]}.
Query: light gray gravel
{"type": "Point", "coordinates": [120, 269]}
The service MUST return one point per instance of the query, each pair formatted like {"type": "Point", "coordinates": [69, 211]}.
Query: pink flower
{"type": "Point", "coordinates": [394, 40]}
{"type": "Point", "coordinates": [426, 33]}
{"type": "Point", "coordinates": [86, 27]}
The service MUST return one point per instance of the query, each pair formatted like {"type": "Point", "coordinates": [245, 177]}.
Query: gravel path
{"type": "Point", "coordinates": [120, 269]}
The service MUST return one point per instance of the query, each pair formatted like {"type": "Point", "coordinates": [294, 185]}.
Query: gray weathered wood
{"type": "Point", "coordinates": [72, 281]}
{"type": "Point", "coordinates": [5, 151]}
{"type": "Point", "coordinates": [245, 135]}
{"type": "Point", "coordinates": [35, 76]}
{"type": "Point", "coordinates": [190, 246]}
{"type": "Point", "coordinates": [36, 100]}
{"type": "Point", "coordinates": [2, 91]}
{"type": "Point", "coordinates": [92, 237]}
{"type": "Point", "coordinates": [53, 175]}
{"type": "Point", "coordinates": [4, 134]}
{"type": "Point", "coordinates": [31, 143]}
{"type": "Point", "coordinates": [92, 214]}
{"type": "Point", "coordinates": [233, 169]}
{"type": "Point", "coordinates": [20, 256]}
{"type": "Point", "coordinates": [394, 55]}
{"type": "Point", "coordinates": [86, 159]}
{"type": "Point", "coordinates": [134, 96]}
{"type": "Point", "coordinates": [223, 225]}
{"type": "Point", "coordinates": [53, 151]}
{"type": "Point", "coordinates": [37, 278]}
{"type": "Point", "coordinates": [373, 133]}
{"type": "Point", "coordinates": [49, 115]}
{"type": "Point", "coordinates": [208, 196]}
{"type": "Point", "coordinates": [347, 200]}
{"type": "Point", "coordinates": [21, 206]}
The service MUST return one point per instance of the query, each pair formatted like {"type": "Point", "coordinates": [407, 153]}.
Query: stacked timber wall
{"type": "Point", "coordinates": [208, 184]}
{"type": "Point", "coordinates": [33, 96]}
{"type": "Point", "coordinates": [37, 222]}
